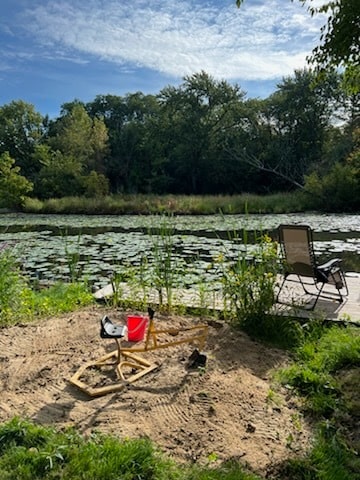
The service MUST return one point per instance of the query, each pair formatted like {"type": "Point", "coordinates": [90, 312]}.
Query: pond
{"type": "Point", "coordinates": [97, 247]}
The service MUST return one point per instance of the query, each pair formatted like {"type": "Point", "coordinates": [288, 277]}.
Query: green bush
{"type": "Point", "coordinates": [249, 283]}
{"type": "Point", "coordinates": [249, 295]}
{"type": "Point", "coordinates": [338, 191]}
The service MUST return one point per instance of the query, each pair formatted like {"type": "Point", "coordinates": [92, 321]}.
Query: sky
{"type": "Point", "coordinates": [55, 51]}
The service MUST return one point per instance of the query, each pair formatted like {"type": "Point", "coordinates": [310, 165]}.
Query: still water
{"type": "Point", "coordinates": [98, 246]}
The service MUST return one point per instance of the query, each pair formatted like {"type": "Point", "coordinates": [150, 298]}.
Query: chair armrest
{"type": "Point", "coordinates": [335, 262]}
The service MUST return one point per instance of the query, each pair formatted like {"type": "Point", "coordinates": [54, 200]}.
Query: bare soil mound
{"type": "Point", "coordinates": [226, 410]}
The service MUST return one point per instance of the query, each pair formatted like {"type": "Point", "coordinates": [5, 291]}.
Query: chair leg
{"type": "Point", "coordinates": [281, 286]}
{"type": "Point", "coordinates": [317, 296]}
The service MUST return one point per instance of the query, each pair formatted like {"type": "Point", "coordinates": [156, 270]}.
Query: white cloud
{"type": "Point", "coordinates": [260, 41]}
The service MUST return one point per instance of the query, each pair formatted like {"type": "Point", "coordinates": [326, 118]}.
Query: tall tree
{"type": "Point", "coordinates": [126, 119]}
{"type": "Point", "coordinates": [77, 135]}
{"type": "Point", "coordinates": [292, 129]}
{"type": "Point", "coordinates": [21, 130]}
{"type": "Point", "coordinates": [196, 119]}
{"type": "Point", "coordinates": [13, 186]}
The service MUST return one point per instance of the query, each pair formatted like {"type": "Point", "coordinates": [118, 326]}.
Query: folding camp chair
{"type": "Point", "coordinates": [296, 243]}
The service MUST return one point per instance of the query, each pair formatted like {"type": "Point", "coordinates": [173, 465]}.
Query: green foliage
{"type": "Point", "coordinates": [202, 137]}
{"type": "Point", "coordinates": [61, 176]}
{"type": "Point", "coordinates": [21, 130]}
{"type": "Point", "coordinates": [18, 302]}
{"type": "Point", "coordinates": [338, 190]}
{"type": "Point", "coordinates": [13, 288]}
{"type": "Point", "coordinates": [59, 298]}
{"type": "Point", "coordinates": [164, 270]}
{"type": "Point", "coordinates": [319, 366]}
{"type": "Point", "coordinates": [340, 38]}
{"type": "Point", "coordinates": [13, 186]}
{"type": "Point", "coordinates": [174, 204]}
{"type": "Point", "coordinates": [249, 282]}
{"type": "Point", "coordinates": [79, 136]}
{"type": "Point", "coordinates": [95, 185]}
{"type": "Point", "coordinates": [72, 255]}
{"type": "Point", "coordinates": [317, 360]}
{"type": "Point", "coordinates": [29, 452]}
{"type": "Point", "coordinates": [330, 458]}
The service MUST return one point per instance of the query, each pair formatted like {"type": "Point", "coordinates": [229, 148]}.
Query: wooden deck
{"type": "Point", "coordinates": [327, 309]}
{"type": "Point", "coordinates": [347, 311]}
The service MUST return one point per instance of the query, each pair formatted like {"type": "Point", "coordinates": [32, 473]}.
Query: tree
{"type": "Point", "coordinates": [77, 135]}
{"type": "Point", "coordinates": [126, 118]}
{"type": "Point", "coordinates": [21, 130]}
{"type": "Point", "coordinates": [291, 131]}
{"type": "Point", "coordinates": [13, 186]}
{"type": "Point", "coordinates": [196, 119]}
{"type": "Point", "coordinates": [339, 37]}
{"type": "Point", "coordinates": [61, 177]}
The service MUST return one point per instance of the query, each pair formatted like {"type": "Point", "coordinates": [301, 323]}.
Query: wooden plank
{"type": "Point", "coordinates": [329, 309]}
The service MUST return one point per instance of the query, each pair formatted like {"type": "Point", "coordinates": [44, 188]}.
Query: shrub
{"type": "Point", "coordinates": [249, 294]}
{"type": "Point", "coordinates": [339, 190]}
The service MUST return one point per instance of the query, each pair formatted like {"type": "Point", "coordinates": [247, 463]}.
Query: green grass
{"type": "Point", "coordinates": [20, 301]}
{"type": "Point", "coordinates": [313, 373]}
{"type": "Point", "coordinates": [57, 299]}
{"type": "Point", "coordinates": [177, 204]}
{"type": "Point", "coordinates": [60, 298]}
{"type": "Point", "coordinates": [325, 372]}
{"type": "Point", "coordinates": [33, 452]}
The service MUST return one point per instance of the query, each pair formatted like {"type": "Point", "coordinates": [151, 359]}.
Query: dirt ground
{"type": "Point", "coordinates": [229, 409]}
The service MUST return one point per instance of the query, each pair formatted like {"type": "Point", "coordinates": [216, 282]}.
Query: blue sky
{"type": "Point", "coordinates": [52, 52]}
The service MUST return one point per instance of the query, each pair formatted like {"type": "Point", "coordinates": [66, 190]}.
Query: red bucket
{"type": "Point", "coordinates": [136, 325]}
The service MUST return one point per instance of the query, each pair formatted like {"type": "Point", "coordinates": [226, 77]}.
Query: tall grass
{"type": "Point", "coordinates": [249, 280]}
{"type": "Point", "coordinates": [13, 286]}
{"type": "Point", "coordinates": [177, 204]}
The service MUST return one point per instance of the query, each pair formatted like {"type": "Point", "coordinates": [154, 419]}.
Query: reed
{"type": "Point", "coordinates": [171, 204]}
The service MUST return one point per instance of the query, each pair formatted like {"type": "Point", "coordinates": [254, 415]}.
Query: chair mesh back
{"type": "Point", "coordinates": [296, 244]}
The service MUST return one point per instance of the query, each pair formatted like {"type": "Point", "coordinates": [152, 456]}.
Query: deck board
{"type": "Point", "coordinates": [349, 310]}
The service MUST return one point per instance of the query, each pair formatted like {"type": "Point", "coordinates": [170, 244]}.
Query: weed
{"type": "Point", "coordinates": [165, 267]}
{"type": "Point", "coordinates": [273, 398]}
{"type": "Point", "coordinates": [13, 287]}
{"type": "Point", "coordinates": [72, 255]}
{"type": "Point", "coordinates": [248, 283]}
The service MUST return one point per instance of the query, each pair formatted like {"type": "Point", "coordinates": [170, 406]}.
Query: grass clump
{"type": "Point", "coordinates": [314, 372]}
{"type": "Point", "coordinates": [19, 302]}
{"type": "Point", "coordinates": [323, 366]}
{"type": "Point", "coordinates": [29, 451]}
{"type": "Point", "coordinates": [330, 458]}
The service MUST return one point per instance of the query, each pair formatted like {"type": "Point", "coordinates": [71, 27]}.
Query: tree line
{"type": "Point", "coordinates": [201, 137]}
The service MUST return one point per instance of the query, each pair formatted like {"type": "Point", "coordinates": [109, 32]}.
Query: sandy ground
{"type": "Point", "coordinates": [228, 410]}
